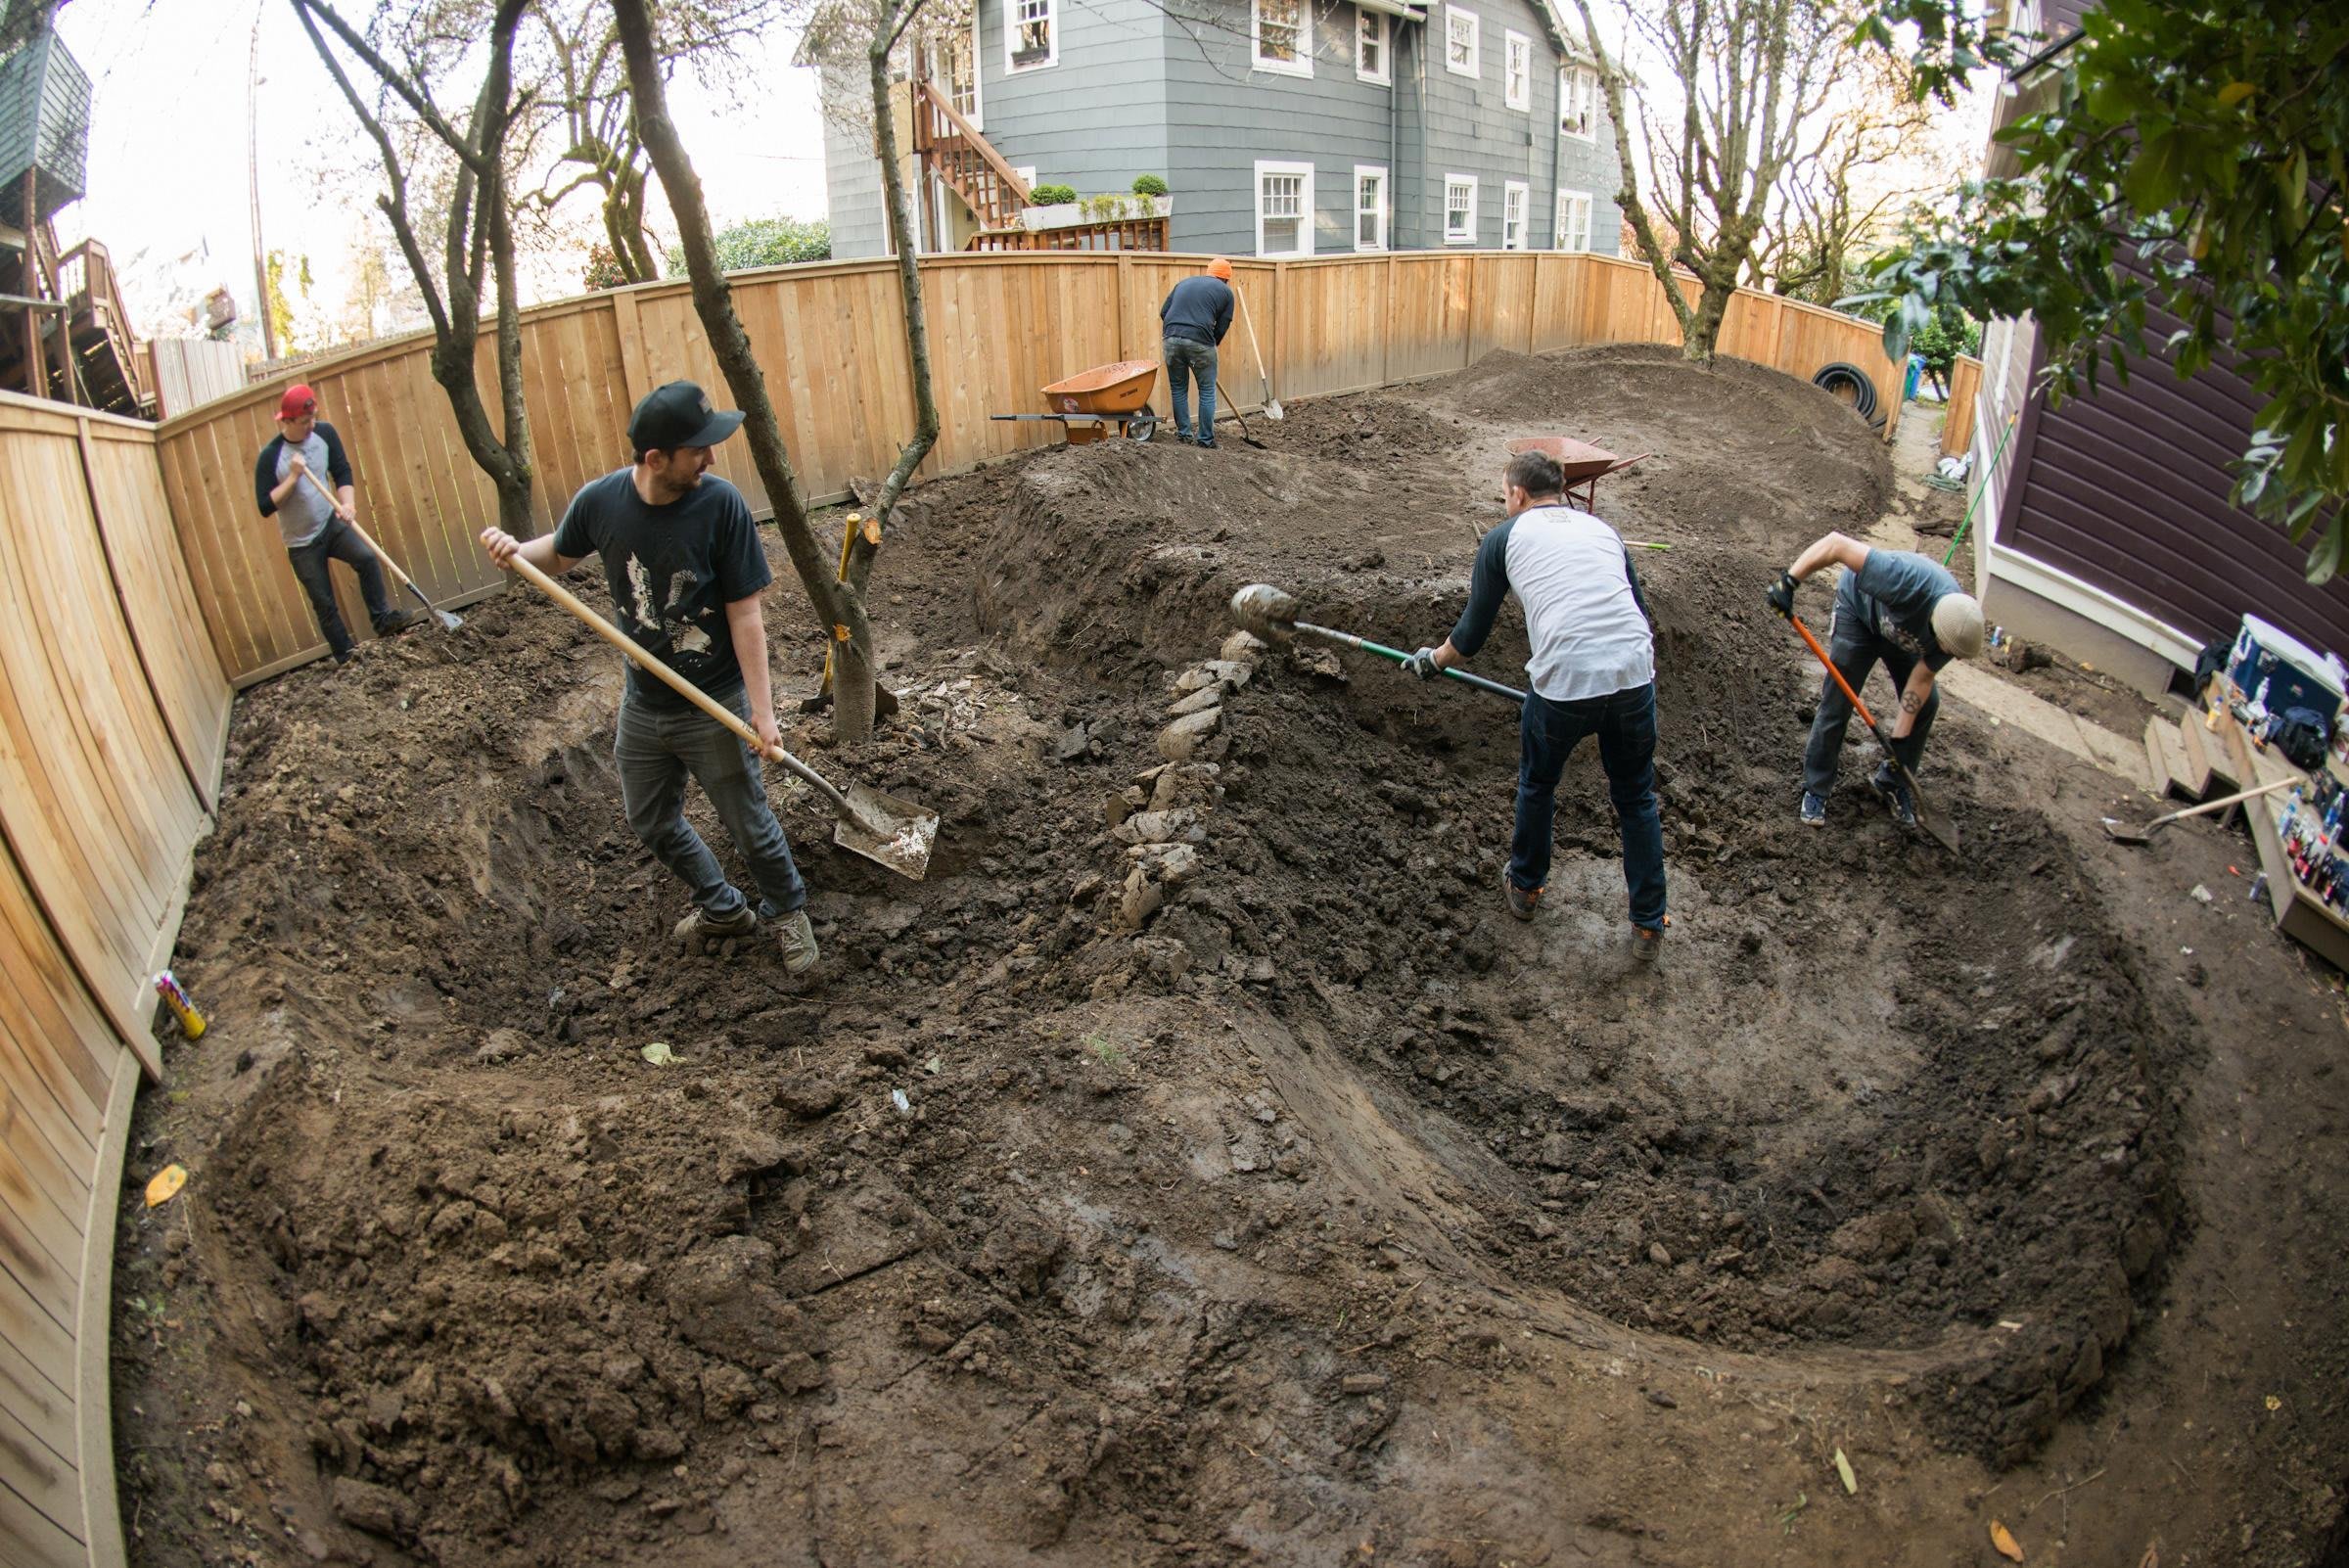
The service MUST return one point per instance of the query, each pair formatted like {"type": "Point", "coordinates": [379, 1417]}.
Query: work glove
{"type": "Point", "coordinates": [1423, 664]}
{"type": "Point", "coordinates": [1781, 595]}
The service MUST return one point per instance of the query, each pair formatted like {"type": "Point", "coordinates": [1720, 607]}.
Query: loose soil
{"type": "Point", "coordinates": [1200, 1166]}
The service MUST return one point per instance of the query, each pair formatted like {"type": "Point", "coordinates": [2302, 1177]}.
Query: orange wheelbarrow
{"type": "Point", "coordinates": [1582, 464]}
{"type": "Point", "coordinates": [1105, 401]}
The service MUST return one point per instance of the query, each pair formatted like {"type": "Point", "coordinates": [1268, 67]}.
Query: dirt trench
{"type": "Point", "coordinates": [1116, 1193]}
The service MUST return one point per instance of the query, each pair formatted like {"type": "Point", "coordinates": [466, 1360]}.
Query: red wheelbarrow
{"type": "Point", "coordinates": [1102, 402]}
{"type": "Point", "coordinates": [1582, 464]}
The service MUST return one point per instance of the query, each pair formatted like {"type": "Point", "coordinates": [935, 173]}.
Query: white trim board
{"type": "Point", "coordinates": [2005, 564]}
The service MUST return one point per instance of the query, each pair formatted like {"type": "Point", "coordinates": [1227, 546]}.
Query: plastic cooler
{"type": "Point", "coordinates": [2296, 674]}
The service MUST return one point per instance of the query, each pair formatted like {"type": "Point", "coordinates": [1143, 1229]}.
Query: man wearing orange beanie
{"type": "Point", "coordinates": [1193, 320]}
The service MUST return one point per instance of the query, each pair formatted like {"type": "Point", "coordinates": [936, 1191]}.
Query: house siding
{"type": "Point", "coordinates": [1142, 88]}
{"type": "Point", "coordinates": [852, 178]}
{"type": "Point", "coordinates": [2126, 489]}
{"type": "Point", "coordinates": [1095, 119]}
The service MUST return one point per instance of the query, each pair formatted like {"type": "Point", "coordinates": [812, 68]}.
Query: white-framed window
{"type": "Point", "coordinates": [1459, 40]}
{"type": "Point", "coordinates": [1517, 71]}
{"type": "Point", "coordinates": [951, 60]}
{"type": "Point", "coordinates": [1578, 101]}
{"type": "Point", "coordinates": [1459, 209]}
{"type": "Point", "coordinates": [1516, 203]}
{"type": "Point", "coordinates": [1371, 47]}
{"type": "Point", "coordinates": [1574, 220]}
{"type": "Point", "coordinates": [1369, 206]}
{"type": "Point", "coordinates": [1284, 207]}
{"type": "Point", "coordinates": [1031, 34]}
{"type": "Point", "coordinates": [1281, 34]}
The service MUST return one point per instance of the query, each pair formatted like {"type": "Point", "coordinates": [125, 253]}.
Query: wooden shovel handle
{"type": "Point", "coordinates": [360, 533]}
{"type": "Point", "coordinates": [686, 689]}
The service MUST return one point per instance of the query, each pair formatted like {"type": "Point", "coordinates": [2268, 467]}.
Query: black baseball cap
{"type": "Point", "coordinates": [680, 415]}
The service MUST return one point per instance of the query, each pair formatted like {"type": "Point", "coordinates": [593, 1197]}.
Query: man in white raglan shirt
{"type": "Point", "coordinates": [1592, 672]}
{"type": "Point", "coordinates": [314, 529]}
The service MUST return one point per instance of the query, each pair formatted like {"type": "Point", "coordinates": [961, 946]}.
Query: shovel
{"type": "Point", "coordinates": [2122, 835]}
{"type": "Point", "coordinates": [1271, 613]}
{"type": "Point", "coordinates": [1273, 409]}
{"type": "Point", "coordinates": [1939, 831]}
{"type": "Point", "coordinates": [1231, 410]}
{"type": "Point", "coordinates": [892, 833]}
{"type": "Point", "coordinates": [448, 622]}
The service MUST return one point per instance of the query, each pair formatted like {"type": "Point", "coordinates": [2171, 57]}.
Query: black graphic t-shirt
{"type": "Point", "coordinates": [672, 570]}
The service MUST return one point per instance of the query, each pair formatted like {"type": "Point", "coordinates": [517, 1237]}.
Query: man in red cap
{"type": "Point", "coordinates": [682, 559]}
{"type": "Point", "coordinates": [1193, 322]}
{"type": "Point", "coordinates": [316, 530]}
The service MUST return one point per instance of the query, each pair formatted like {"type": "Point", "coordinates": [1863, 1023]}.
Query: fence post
{"type": "Point", "coordinates": [638, 380]}
{"type": "Point", "coordinates": [1386, 343]}
{"type": "Point", "coordinates": [1468, 311]}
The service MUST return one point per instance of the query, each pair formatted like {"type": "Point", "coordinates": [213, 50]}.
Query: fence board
{"type": "Point", "coordinates": [1958, 422]}
{"type": "Point", "coordinates": [1001, 326]}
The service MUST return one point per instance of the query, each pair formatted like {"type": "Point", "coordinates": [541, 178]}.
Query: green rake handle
{"type": "Point", "coordinates": [1347, 639]}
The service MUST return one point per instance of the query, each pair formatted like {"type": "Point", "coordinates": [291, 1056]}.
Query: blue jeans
{"type": "Point", "coordinates": [1854, 650]}
{"type": "Point", "coordinates": [656, 748]}
{"type": "Point", "coordinates": [1624, 723]}
{"type": "Point", "coordinates": [336, 542]}
{"type": "Point", "coordinates": [1188, 359]}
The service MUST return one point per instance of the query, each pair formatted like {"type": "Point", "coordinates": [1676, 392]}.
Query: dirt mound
{"type": "Point", "coordinates": [1111, 1193]}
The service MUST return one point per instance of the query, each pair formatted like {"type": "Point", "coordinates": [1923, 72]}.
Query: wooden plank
{"type": "Point", "coordinates": [44, 1477]}
{"type": "Point", "coordinates": [38, 1402]}
{"type": "Point", "coordinates": [101, 1513]}
{"type": "Point", "coordinates": [635, 379]}
{"type": "Point", "coordinates": [1957, 419]}
{"type": "Point", "coordinates": [2208, 769]}
{"type": "Point", "coordinates": [2299, 914]}
{"type": "Point", "coordinates": [2165, 753]}
{"type": "Point", "coordinates": [34, 1330]}
{"type": "Point", "coordinates": [30, 1539]}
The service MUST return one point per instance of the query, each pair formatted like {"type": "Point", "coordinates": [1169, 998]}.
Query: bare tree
{"type": "Point", "coordinates": [477, 232]}
{"type": "Point", "coordinates": [838, 600]}
{"type": "Point", "coordinates": [1751, 75]}
{"type": "Point", "coordinates": [583, 87]}
{"type": "Point", "coordinates": [1872, 159]}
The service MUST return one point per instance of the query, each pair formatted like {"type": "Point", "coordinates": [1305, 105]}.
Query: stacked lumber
{"type": "Point", "coordinates": [2186, 759]}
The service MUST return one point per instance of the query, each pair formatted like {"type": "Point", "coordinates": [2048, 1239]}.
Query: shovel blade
{"type": "Point", "coordinates": [905, 844]}
{"type": "Point", "coordinates": [2121, 835]}
{"type": "Point", "coordinates": [1940, 829]}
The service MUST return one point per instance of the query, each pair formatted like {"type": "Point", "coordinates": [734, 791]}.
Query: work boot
{"type": "Point", "coordinates": [1815, 810]}
{"type": "Point", "coordinates": [397, 621]}
{"type": "Point", "coordinates": [1204, 443]}
{"type": "Point", "coordinates": [1887, 783]}
{"type": "Point", "coordinates": [1648, 942]}
{"type": "Point", "coordinates": [701, 930]}
{"type": "Point", "coordinates": [797, 937]}
{"type": "Point", "coordinates": [1523, 902]}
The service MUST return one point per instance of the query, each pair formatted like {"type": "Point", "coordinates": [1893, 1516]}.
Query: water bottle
{"type": "Point", "coordinates": [2259, 887]}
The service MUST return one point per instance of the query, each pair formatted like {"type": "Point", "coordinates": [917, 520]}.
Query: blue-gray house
{"type": "Point", "coordinates": [1281, 127]}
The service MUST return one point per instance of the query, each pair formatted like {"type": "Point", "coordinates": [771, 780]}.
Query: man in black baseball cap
{"type": "Point", "coordinates": [682, 559]}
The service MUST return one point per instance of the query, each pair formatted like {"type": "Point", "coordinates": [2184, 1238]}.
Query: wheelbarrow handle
{"type": "Point", "coordinates": [1348, 639]}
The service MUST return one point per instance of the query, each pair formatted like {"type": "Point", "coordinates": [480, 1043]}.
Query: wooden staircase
{"type": "Point", "coordinates": [64, 332]}
{"type": "Point", "coordinates": [952, 149]}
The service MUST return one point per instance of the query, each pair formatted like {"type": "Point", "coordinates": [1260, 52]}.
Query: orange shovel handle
{"type": "Point", "coordinates": [1850, 696]}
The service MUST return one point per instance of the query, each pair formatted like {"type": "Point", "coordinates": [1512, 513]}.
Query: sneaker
{"type": "Point", "coordinates": [1815, 810]}
{"type": "Point", "coordinates": [1523, 902]}
{"type": "Point", "coordinates": [1205, 444]}
{"type": "Point", "coordinates": [797, 937]}
{"type": "Point", "coordinates": [1894, 791]}
{"type": "Point", "coordinates": [397, 621]}
{"type": "Point", "coordinates": [700, 930]}
{"type": "Point", "coordinates": [1648, 942]}
{"type": "Point", "coordinates": [1186, 437]}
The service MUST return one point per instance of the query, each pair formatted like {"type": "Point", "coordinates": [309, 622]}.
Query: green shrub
{"type": "Point", "coordinates": [1149, 185]}
{"type": "Point", "coordinates": [1053, 195]}
{"type": "Point", "coordinates": [764, 243]}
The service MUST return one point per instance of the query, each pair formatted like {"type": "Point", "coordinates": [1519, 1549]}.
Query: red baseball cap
{"type": "Point", "coordinates": [298, 402]}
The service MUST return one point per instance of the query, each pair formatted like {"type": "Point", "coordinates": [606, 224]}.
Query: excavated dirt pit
{"type": "Point", "coordinates": [1100, 1201]}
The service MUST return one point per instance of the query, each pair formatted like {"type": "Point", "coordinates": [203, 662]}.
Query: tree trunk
{"type": "Point", "coordinates": [1702, 330]}
{"type": "Point", "coordinates": [836, 605]}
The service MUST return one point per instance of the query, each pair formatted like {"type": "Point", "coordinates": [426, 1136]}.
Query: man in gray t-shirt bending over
{"type": "Point", "coordinates": [1592, 670]}
{"type": "Point", "coordinates": [1898, 606]}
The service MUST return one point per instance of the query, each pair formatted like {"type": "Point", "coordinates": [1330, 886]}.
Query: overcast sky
{"type": "Point", "coordinates": [167, 171]}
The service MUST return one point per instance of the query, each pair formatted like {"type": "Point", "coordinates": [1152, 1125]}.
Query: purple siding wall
{"type": "Point", "coordinates": [2127, 490]}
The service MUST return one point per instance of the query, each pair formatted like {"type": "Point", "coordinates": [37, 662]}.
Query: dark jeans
{"type": "Point", "coordinates": [1624, 723]}
{"type": "Point", "coordinates": [1187, 358]}
{"type": "Point", "coordinates": [1855, 651]}
{"type": "Point", "coordinates": [656, 748]}
{"type": "Point", "coordinates": [336, 542]}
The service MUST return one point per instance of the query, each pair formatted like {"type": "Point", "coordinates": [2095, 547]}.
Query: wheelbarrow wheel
{"type": "Point", "coordinates": [1142, 426]}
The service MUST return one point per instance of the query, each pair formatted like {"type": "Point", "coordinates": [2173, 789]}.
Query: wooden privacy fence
{"type": "Point", "coordinates": [1958, 422]}
{"type": "Point", "coordinates": [113, 715]}
{"type": "Point", "coordinates": [830, 339]}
